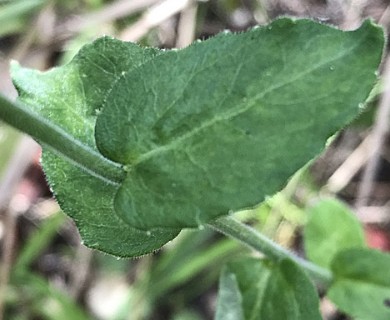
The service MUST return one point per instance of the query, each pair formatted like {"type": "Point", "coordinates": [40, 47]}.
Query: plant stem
{"type": "Point", "coordinates": [59, 141]}
{"type": "Point", "coordinates": [257, 241]}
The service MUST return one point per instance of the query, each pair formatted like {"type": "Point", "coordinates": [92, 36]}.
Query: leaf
{"type": "Point", "coordinates": [331, 228]}
{"type": "Point", "coordinates": [13, 15]}
{"type": "Point", "coordinates": [229, 305]}
{"type": "Point", "coordinates": [362, 283]}
{"type": "Point", "coordinates": [223, 123]}
{"type": "Point", "coordinates": [194, 144]}
{"type": "Point", "coordinates": [266, 291]}
{"type": "Point", "coordinates": [70, 97]}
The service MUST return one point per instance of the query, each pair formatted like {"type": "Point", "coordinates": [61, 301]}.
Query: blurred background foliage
{"type": "Point", "coordinates": [46, 273]}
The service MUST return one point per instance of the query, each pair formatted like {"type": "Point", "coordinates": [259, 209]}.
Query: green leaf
{"type": "Point", "coordinates": [70, 97]}
{"type": "Point", "coordinates": [43, 295]}
{"type": "Point", "coordinates": [331, 228]}
{"type": "Point", "coordinates": [223, 123]}
{"type": "Point", "coordinates": [8, 142]}
{"type": "Point", "coordinates": [13, 15]}
{"type": "Point", "coordinates": [188, 135]}
{"type": "Point", "coordinates": [362, 283]}
{"type": "Point", "coordinates": [229, 305]}
{"type": "Point", "coordinates": [266, 291]}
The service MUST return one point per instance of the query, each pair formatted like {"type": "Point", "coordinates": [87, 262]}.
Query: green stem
{"type": "Point", "coordinates": [59, 141]}
{"type": "Point", "coordinates": [257, 241]}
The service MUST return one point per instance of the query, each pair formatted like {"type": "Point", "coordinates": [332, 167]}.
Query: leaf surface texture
{"type": "Point", "coordinates": [221, 124]}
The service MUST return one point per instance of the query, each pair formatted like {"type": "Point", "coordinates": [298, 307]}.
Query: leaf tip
{"type": "Point", "coordinates": [14, 67]}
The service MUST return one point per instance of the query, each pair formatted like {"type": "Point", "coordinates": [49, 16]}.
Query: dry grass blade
{"type": "Point", "coordinates": [187, 26]}
{"type": "Point", "coordinates": [17, 167]}
{"type": "Point", "coordinates": [152, 18]}
{"type": "Point", "coordinates": [117, 10]}
{"type": "Point", "coordinates": [379, 133]}
{"type": "Point", "coordinates": [348, 169]}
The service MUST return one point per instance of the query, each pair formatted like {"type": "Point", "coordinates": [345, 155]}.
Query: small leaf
{"type": "Point", "coordinates": [362, 283]}
{"type": "Point", "coordinates": [70, 97]}
{"type": "Point", "coordinates": [229, 305]}
{"type": "Point", "coordinates": [331, 228]}
{"type": "Point", "coordinates": [271, 291]}
{"type": "Point", "coordinates": [221, 124]}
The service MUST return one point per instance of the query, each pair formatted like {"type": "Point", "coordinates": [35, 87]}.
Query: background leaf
{"type": "Point", "coordinates": [331, 228]}
{"type": "Point", "coordinates": [219, 125]}
{"type": "Point", "coordinates": [269, 291]}
{"type": "Point", "coordinates": [70, 97]}
{"type": "Point", "coordinates": [362, 283]}
{"type": "Point", "coordinates": [14, 13]}
{"type": "Point", "coordinates": [229, 305]}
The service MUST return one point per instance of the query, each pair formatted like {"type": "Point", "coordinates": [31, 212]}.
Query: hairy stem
{"type": "Point", "coordinates": [59, 141]}
{"type": "Point", "coordinates": [257, 241]}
